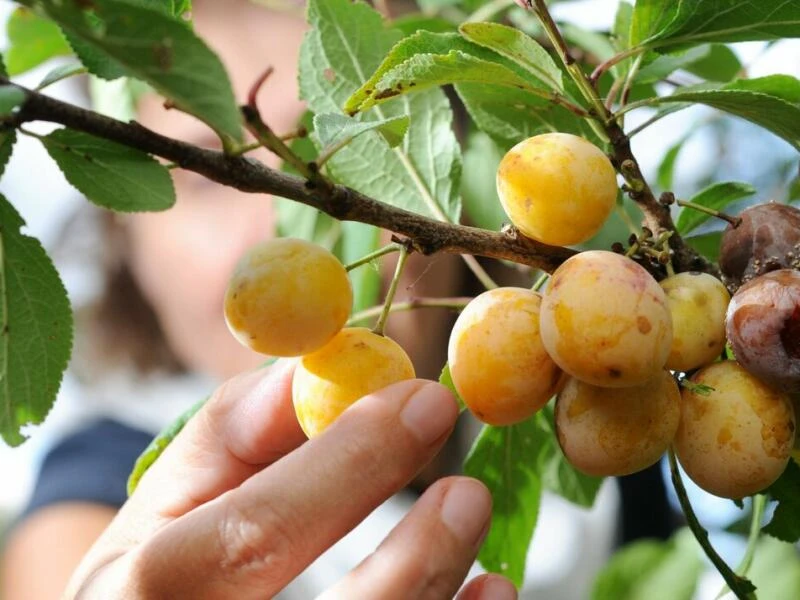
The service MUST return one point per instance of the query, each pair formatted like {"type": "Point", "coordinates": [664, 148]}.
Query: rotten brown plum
{"type": "Point", "coordinates": [763, 327]}
{"type": "Point", "coordinates": [767, 239]}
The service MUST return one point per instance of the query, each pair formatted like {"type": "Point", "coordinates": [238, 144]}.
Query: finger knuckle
{"type": "Point", "coordinates": [263, 548]}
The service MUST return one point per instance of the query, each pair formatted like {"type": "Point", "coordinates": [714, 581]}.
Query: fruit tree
{"type": "Point", "coordinates": [644, 329]}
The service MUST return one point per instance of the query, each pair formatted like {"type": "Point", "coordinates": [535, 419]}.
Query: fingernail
{"type": "Point", "coordinates": [466, 510]}
{"type": "Point", "coordinates": [430, 413]}
{"type": "Point", "coordinates": [496, 588]}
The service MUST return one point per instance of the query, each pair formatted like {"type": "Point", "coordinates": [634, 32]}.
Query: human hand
{"type": "Point", "coordinates": [240, 503]}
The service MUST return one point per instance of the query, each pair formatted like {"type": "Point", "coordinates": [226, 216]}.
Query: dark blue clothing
{"type": "Point", "coordinates": [90, 465]}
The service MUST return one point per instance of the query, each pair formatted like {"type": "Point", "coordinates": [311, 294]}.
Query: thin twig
{"type": "Point", "coordinates": [614, 60]}
{"type": "Point", "coordinates": [740, 586]}
{"type": "Point", "coordinates": [388, 249]}
{"type": "Point", "coordinates": [249, 175]}
{"type": "Point", "coordinates": [387, 303]}
{"type": "Point", "coordinates": [734, 221]}
{"type": "Point", "coordinates": [657, 217]}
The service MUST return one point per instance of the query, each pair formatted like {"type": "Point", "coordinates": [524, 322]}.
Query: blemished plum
{"type": "Point", "coordinates": [497, 361]}
{"type": "Point", "coordinates": [767, 239]}
{"type": "Point", "coordinates": [697, 304]}
{"type": "Point", "coordinates": [287, 297]}
{"type": "Point", "coordinates": [605, 320]}
{"type": "Point", "coordinates": [557, 188]}
{"type": "Point", "coordinates": [736, 440]}
{"type": "Point", "coordinates": [763, 327]}
{"type": "Point", "coordinates": [356, 362]}
{"type": "Point", "coordinates": [617, 431]}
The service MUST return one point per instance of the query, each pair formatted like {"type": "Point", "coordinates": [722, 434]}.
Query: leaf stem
{"type": "Point", "coordinates": [734, 221]}
{"type": "Point", "coordinates": [540, 282]}
{"type": "Point", "coordinates": [740, 586]}
{"type": "Point", "coordinates": [454, 303]}
{"type": "Point", "coordinates": [614, 60]}
{"type": "Point", "coordinates": [388, 249]}
{"type": "Point", "coordinates": [300, 132]}
{"type": "Point", "coordinates": [630, 78]}
{"type": "Point", "coordinates": [387, 303]}
{"type": "Point", "coordinates": [267, 138]}
{"type": "Point", "coordinates": [574, 69]}
{"type": "Point", "coordinates": [656, 117]}
{"type": "Point", "coordinates": [61, 77]}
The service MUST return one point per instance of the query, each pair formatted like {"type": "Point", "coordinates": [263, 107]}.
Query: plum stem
{"type": "Point", "coordinates": [452, 303]}
{"type": "Point", "coordinates": [540, 282]}
{"type": "Point", "coordinates": [742, 587]}
{"type": "Point", "coordinates": [387, 304]}
{"type": "Point", "coordinates": [734, 221]}
{"type": "Point", "coordinates": [388, 249]}
{"type": "Point", "coordinates": [759, 504]}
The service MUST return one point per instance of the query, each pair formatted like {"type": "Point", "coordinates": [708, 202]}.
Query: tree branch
{"type": "Point", "coordinates": [657, 217]}
{"type": "Point", "coordinates": [427, 235]}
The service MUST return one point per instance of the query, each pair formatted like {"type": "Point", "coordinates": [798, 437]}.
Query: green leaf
{"type": "Point", "coordinates": [446, 379]}
{"type": "Point", "coordinates": [96, 60]}
{"type": "Point", "coordinates": [109, 174]}
{"type": "Point", "coordinates": [621, 36]}
{"type": "Point", "coordinates": [666, 168]}
{"type": "Point", "coordinates": [505, 459]}
{"type": "Point", "coordinates": [706, 244]}
{"type": "Point", "coordinates": [422, 174]}
{"type": "Point", "coordinates": [157, 446]}
{"type": "Point", "coordinates": [717, 197]}
{"type": "Point", "coordinates": [651, 17]}
{"type": "Point", "coordinates": [775, 570]}
{"type": "Point", "coordinates": [3, 70]}
{"type": "Point", "coordinates": [426, 70]}
{"type": "Point", "coordinates": [721, 64]}
{"type": "Point", "coordinates": [358, 240]}
{"type": "Point", "coordinates": [516, 463]}
{"type": "Point", "coordinates": [8, 138]}
{"type": "Point", "coordinates": [35, 328]}
{"type": "Point", "coordinates": [159, 49]}
{"type": "Point", "coordinates": [445, 56]}
{"type": "Point", "coordinates": [666, 64]}
{"type": "Point", "coordinates": [32, 40]}
{"type": "Point", "coordinates": [516, 46]}
{"type": "Point", "coordinates": [511, 115]}
{"type": "Point", "coordinates": [652, 570]}
{"type": "Point", "coordinates": [665, 24]}
{"type": "Point", "coordinates": [773, 102]}
{"type": "Point", "coordinates": [336, 129]}
{"type": "Point", "coordinates": [714, 62]}
{"type": "Point", "coordinates": [10, 98]}
{"type": "Point", "coordinates": [478, 189]}
{"type": "Point", "coordinates": [785, 523]}
{"type": "Point", "coordinates": [60, 73]}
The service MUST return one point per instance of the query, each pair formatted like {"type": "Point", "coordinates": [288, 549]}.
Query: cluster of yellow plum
{"type": "Point", "coordinates": [605, 338]}
{"type": "Point", "coordinates": [289, 297]}
{"type": "Point", "coordinates": [610, 343]}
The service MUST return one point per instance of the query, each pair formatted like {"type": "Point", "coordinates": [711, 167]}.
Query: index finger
{"type": "Point", "coordinates": [247, 424]}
